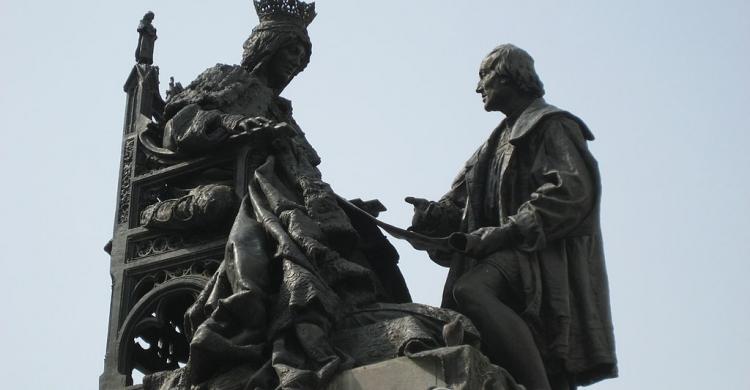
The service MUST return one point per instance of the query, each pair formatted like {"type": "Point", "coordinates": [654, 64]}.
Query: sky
{"type": "Point", "coordinates": [388, 101]}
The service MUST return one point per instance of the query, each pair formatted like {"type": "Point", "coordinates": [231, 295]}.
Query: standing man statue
{"type": "Point", "coordinates": [144, 53]}
{"type": "Point", "coordinates": [523, 219]}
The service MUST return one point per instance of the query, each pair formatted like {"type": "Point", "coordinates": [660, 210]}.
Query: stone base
{"type": "Point", "coordinates": [454, 368]}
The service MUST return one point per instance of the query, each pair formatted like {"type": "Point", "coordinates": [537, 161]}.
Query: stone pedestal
{"type": "Point", "coordinates": [455, 368]}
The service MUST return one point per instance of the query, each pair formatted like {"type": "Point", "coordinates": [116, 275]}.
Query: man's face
{"type": "Point", "coordinates": [287, 61]}
{"type": "Point", "coordinates": [496, 89]}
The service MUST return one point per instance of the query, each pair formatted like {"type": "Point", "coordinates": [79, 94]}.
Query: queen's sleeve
{"type": "Point", "coordinates": [195, 130]}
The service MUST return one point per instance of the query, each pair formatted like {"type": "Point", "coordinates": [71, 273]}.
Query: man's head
{"type": "Point", "coordinates": [506, 76]}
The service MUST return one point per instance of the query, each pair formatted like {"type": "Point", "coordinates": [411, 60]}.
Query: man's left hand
{"type": "Point", "coordinates": [483, 241]}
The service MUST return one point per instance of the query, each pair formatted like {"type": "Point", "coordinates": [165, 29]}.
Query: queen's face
{"type": "Point", "coordinates": [287, 62]}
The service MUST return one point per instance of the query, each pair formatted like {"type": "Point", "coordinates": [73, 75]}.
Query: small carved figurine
{"type": "Point", "coordinates": [144, 53]}
{"type": "Point", "coordinates": [174, 88]}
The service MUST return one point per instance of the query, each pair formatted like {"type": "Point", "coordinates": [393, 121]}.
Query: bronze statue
{"type": "Point", "coordinates": [306, 275]}
{"type": "Point", "coordinates": [236, 266]}
{"type": "Point", "coordinates": [527, 263]}
{"type": "Point", "coordinates": [144, 53]}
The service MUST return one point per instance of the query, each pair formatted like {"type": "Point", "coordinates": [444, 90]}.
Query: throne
{"type": "Point", "coordinates": [157, 273]}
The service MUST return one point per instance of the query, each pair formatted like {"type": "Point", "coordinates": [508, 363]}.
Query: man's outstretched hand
{"type": "Point", "coordinates": [421, 217]}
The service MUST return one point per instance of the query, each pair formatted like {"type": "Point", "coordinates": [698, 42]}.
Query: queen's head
{"type": "Point", "coordinates": [279, 47]}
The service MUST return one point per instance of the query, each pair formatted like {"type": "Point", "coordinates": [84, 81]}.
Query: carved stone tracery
{"type": "Point", "coordinates": [167, 243]}
{"type": "Point", "coordinates": [152, 337]}
{"type": "Point", "coordinates": [204, 268]}
{"type": "Point", "coordinates": [125, 179]}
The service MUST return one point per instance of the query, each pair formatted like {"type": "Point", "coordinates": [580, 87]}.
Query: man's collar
{"type": "Point", "coordinates": [525, 122]}
{"type": "Point", "coordinates": [530, 117]}
{"type": "Point", "coordinates": [511, 118]}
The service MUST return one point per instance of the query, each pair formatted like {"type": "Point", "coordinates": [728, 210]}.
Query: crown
{"type": "Point", "coordinates": [286, 10]}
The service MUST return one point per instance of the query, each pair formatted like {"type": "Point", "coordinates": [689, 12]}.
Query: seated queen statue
{"type": "Point", "coordinates": [308, 286]}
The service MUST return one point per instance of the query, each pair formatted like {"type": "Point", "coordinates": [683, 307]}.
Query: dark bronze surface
{"type": "Point", "coordinates": [526, 259]}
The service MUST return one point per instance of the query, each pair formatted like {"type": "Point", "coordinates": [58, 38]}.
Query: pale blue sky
{"type": "Point", "coordinates": [388, 101]}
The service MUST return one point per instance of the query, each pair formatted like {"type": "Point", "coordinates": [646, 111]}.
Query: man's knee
{"type": "Point", "coordinates": [481, 287]}
{"type": "Point", "coordinates": [469, 294]}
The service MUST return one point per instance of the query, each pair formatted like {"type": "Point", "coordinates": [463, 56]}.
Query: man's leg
{"type": "Point", "coordinates": [506, 338]}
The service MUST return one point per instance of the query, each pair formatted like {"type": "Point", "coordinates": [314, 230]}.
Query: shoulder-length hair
{"type": "Point", "coordinates": [517, 64]}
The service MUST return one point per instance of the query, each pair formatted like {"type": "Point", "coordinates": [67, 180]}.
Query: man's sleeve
{"type": "Point", "coordinates": [565, 191]}
{"type": "Point", "coordinates": [445, 214]}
